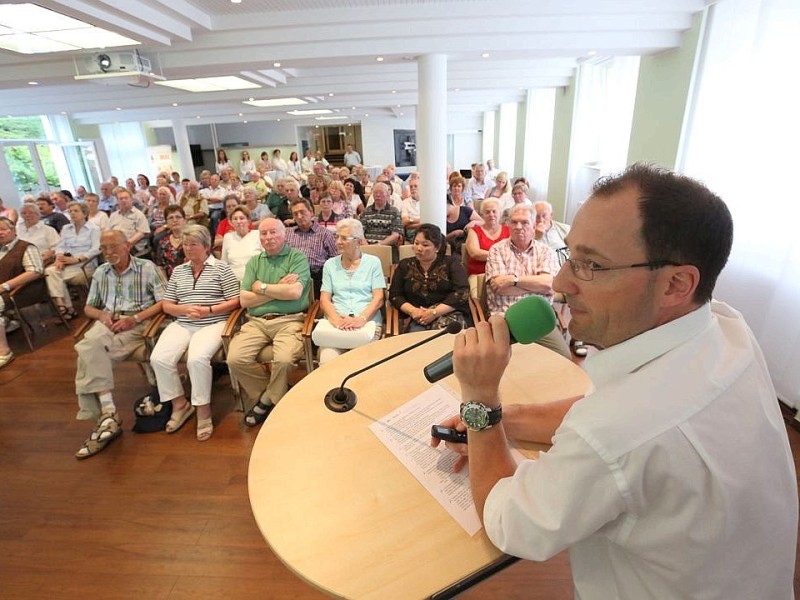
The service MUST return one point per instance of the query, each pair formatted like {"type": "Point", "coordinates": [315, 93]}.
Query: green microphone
{"type": "Point", "coordinates": [528, 320]}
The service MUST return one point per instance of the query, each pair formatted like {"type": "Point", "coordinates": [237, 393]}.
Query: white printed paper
{"type": "Point", "coordinates": [406, 432]}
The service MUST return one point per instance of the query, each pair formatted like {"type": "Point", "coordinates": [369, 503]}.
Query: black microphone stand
{"type": "Point", "coordinates": [343, 399]}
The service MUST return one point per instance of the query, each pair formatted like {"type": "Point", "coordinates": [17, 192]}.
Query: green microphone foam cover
{"type": "Point", "coordinates": [530, 319]}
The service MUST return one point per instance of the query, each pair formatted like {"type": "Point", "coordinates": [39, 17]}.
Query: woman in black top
{"type": "Point", "coordinates": [431, 288]}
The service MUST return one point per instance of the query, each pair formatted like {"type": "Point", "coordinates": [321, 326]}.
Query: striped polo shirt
{"type": "Point", "coordinates": [216, 283]}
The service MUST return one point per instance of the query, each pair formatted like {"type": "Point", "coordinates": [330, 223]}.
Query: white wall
{"type": "Point", "coordinates": [377, 138]}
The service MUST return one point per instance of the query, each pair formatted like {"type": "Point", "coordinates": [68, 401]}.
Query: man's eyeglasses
{"type": "Point", "coordinates": [585, 269]}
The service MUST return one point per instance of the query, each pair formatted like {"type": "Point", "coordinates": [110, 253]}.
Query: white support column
{"type": "Point", "coordinates": [185, 166]}
{"type": "Point", "coordinates": [432, 137]}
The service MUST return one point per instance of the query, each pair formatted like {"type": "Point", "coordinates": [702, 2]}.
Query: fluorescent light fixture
{"type": "Point", "coordinates": [315, 111]}
{"type": "Point", "coordinates": [31, 29]}
{"type": "Point", "coordinates": [210, 84]}
{"type": "Point", "coordinates": [330, 118]}
{"type": "Point", "coordinates": [272, 102]}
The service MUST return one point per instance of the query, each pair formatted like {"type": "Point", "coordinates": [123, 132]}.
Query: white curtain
{"type": "Point", "coordinates": [127, 150]}
{"type": "Point", "coordinates": [605, 95]}
{"type": "Point", "coordinates": [743, 141]}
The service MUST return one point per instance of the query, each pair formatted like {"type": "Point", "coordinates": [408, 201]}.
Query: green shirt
{"type": "Point", "coordinates": [271, 269]}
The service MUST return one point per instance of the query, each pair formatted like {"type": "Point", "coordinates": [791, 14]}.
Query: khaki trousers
{"type": "Point", "coordinates": [285, 335]}
{"type": "Point", "coordinates": [98, 352]}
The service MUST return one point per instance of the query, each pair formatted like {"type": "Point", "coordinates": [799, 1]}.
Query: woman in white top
{"type": "Point", "coordinates": [222, 161]}
{"type": "Point", "coordinates": [501, 190]}
{"type": "Point", "coordinates": [96, 216]}
{"type": "Point", "coordinates": [278, 164]}
{"type": "Point", "coordinates": [246, 166]}
{"type": "Point", "coordinates": [295, 168]}
{"type": "Point", "coordinates": [241, 244]}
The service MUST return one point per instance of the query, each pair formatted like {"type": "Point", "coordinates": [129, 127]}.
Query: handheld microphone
{"type": "Point", "coordinates": [528, 320]}
{"type": "Point", "coordinates": [342, 399]}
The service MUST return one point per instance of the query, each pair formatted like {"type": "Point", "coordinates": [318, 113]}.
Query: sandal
{"type": "Point", "coordinates": [579, 348]}
{"type": "Point", "coordinates": [67, 313]}
{"type": "Point", "coordinates": [205, 427]}
{"type": "Point", "coordinates": [258, 414]}
{"type": "Point", "coordinates": [108, 428]}
{"type": "Point", "coordinates": [179, 417]}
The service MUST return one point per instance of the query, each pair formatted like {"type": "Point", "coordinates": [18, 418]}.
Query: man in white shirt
{"type": "Point", "coordinates": [131, 221]}
{"type": "Point", "coordinates": [351, 157]}
{"type": "Point", "coordinates": [673, 478]}
{"type": "Point", "coordinates": [477, 185]}
{"type": "Point", "coordinates": [410, 211]}
{"type": "Point", "coordinates": [32, 230]}
{"type": "Point", "coordinates": [308, 162]}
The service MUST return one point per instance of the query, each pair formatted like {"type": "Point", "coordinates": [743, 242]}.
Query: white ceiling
{"type": "Point", "coordinates": [330, 47]}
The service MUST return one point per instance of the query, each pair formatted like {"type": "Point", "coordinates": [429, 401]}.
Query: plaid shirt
{"type": "Point", "coordinates": [505, 259]}
{"type": "Point", "coordinates": [318, 244]}
{"type": "Point", "coordinates": [140, 286]}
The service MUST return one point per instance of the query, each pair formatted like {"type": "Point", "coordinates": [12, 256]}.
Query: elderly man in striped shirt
{"type": "Point", "coordinates": [520, 266]}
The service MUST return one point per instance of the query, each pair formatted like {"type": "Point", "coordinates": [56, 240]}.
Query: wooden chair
{"type": "Point", "coordinates": [384, 253]}
{"type": "Point", "coordinates": [33, 293]}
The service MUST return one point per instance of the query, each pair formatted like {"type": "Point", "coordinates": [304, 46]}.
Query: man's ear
{"type": "Point", "coordinates": [679, 285]}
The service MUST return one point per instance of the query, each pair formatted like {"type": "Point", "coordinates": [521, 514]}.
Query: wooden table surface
{"type": "Point", "coordinates": [340, 510]}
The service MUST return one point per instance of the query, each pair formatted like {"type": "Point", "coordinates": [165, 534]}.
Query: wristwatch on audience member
{"type": "Point", "coordinates": [6, 287]}
{"type": "Point", "coordinates": [477, 416]}
{"type": "Point", "coordinates": [262, 289]}
{"type": "Point", "coordinates": [516, 279]}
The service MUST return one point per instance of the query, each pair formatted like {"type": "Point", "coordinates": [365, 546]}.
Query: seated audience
{"type": "Point", "coordinates": [201, 293]}
{"type": "Point", "coordinates": [168, 252]}
{"type": "Point", "coordinates": [125, 293]}
{"type": "Point", "coordinates": [48, 214]}
{"type": "Point", "coordinates": [156, 217]}
{"type": "Point", "coordinates": [352, 198]}
{"type": "Point", "coordinates": [327, 217]}
{"type": "Point", "coordinates": [195, 206]}
{"type": "Point", "coordinates": [478, 185]}
{"type": "Point", "coordinates": [8, 212]}
{"type": "Point", "coordinates": [501, 190]}
{"type": "Point", "coordinates": [519, 267]}
{"type": "Point", "coordinates": [275, 292]}
{"type": "Point", "coordinates": [96, 216]}
{"type": "Point", "coordinates": [257, 210]}
{"type": "Point", "coordinates": [351, 297]}
{"type": "Point", "coordinates": [460, 219]}
{"type": "Point", "coordinates": [131, 221]}
{"type": "Point", "coordinates": [382, 223]}
{"type": "Point", "coordinates": [241, 243]}
{"type": "Point", "coordinates": [313, 240]}
{"type": "Point", "coordinates": [547, 230]}
{"type": "Point", "coordinates": [231, 202]}
{"type": "Point", "coordinates": [482, 237]}
{"type": "Point", "coordinates": [80, 241]}
{"type": "Point", "coordinates": [338, 194]}
{"type": "Point", "coordinates": [34, 231]}
{"type": "Point", "coordinates": [20, 263]}
{"type": "Point", "coordinates": [430, 287]}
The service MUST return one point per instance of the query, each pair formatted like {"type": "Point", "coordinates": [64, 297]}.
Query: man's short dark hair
{"type": "Point", "coordinates": [304, 201]}
{"type": "Point", "coordinates": [682, 220]}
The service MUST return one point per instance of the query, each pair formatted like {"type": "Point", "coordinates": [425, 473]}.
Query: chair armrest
{"type": "Point", "coordinates": [21, 288]}
{"type": "Point", "coordinates": [234, 323]}
{"type": "Point", "coordinates": [392, 321]}
{"type": "Point", "coordinates": [311, 317]}
{"type": "Point", "coordinates": [83, 328]}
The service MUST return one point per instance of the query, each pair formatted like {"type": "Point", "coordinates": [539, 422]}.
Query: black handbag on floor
{"type": "Point", "coordinates": [151, 414]}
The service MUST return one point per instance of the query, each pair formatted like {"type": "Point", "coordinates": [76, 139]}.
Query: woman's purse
{"type": "Point", "coordinates": [327, 336]}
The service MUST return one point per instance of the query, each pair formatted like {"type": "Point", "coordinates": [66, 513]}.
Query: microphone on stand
{"type": "Point", "coordinates": [528, 320]}
{"type": "Point", "coordinates": [342, 399]}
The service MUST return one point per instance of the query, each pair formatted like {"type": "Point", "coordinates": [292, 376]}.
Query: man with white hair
{"type": "Point", "coordinates": [547, 230]}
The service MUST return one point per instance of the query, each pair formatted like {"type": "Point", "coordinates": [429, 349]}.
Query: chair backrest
{"type": "Point", "coordinates": [405, 251]}
{"type": "Point", "coordinates": [33, 292]}
{"type": "Point", "coordinates": [384, 253]}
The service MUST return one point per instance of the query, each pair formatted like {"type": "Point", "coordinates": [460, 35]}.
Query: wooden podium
{"type": "Point", "coordinates": [340, 510]}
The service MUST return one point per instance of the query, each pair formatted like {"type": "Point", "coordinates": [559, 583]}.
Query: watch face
{"type": "Point", "coordinates": [475, 416]}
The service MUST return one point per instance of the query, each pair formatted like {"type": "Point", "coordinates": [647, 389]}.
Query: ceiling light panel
{"type": "Point", "coordinates": [31, 18]}
{"type": "Point", "coordinates": [315, 111]}
{"type": "Point", "coordinates": [272, 102]}
{"type": "Point", "coordinates": [210, 84]}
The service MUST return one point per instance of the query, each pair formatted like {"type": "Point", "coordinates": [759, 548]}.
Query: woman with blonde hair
{"type": "Point", "coordinates": [201, 293]}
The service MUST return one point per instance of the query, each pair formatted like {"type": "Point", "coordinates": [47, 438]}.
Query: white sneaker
{"type": "Point", "coordinates": [12, 325]}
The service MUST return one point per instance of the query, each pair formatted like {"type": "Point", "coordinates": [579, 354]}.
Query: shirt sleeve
{"type": "Point", "coordinates": [327, 275]}
{"type": "Point", "coordinates": [142, 226]}
{"type": "Point", "coordinates": [397, 222]}
{"type": "Point", "coordinates": [459, 296]}
{"type": "Point", "coordinates": [299, 265]}
{"type": "Point", "coordinates": [32, 260]}
{"type": "Point", "coordinates": [230, 285]}
{"type": "Point", "coordinates": [378, 280]}
{"type": "Point", "coordinates": [171, 293]}
{"type": "Point", "coordinates": [94, 250]}
{"type": "Point", "coordinates": [495, 265]}
{"type": "Point", "coordinates": [549, 504]}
